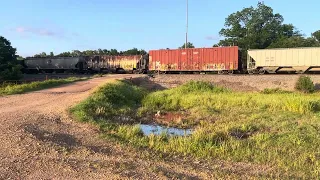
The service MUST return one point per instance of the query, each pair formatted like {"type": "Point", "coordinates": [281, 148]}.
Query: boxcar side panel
{"type": "Point", "coordinates": [195, 59]}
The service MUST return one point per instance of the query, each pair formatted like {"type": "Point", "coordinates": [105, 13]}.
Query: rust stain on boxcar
{"type": "Point", "coordinates": [113, 62]}
{"type": "Point", "coordinates": [195, 59]}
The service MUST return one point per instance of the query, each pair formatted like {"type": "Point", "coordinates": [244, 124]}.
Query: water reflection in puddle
{"type": "Point", "coordinates": [148, 129]}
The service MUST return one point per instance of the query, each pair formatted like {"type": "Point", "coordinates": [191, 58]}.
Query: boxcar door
{"type": "Point", "coordinates": [183, 60]}
{"type": "Point", "coordinates": [195, 66]}
{"type": "Point", "coordinates": [190, 60]}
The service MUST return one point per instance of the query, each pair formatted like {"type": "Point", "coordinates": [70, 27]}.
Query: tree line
{"type": "Point", "coordinates": [76, 53]}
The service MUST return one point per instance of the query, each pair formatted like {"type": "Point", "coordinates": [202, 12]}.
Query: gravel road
{"type": "Point", "coordinates": [38, 140]}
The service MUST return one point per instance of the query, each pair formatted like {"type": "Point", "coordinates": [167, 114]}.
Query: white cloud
{"type": "Point", "coordinates": [55, 33]}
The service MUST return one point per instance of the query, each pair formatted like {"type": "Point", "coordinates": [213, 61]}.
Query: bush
{"type": "Point", "coordinates": [274, 91]}
{"type": "Point", "coordinates": [305, 84]}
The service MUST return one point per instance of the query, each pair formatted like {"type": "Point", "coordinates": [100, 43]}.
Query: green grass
{"type": "Point", "coordinates": [273, 128]}
{"type": "Point", "coordinates": [22, 88]}
{"type": "Point", "coordinates": [111, 102]}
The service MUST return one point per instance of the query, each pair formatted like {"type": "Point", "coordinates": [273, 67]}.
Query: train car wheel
{"type": "Point", "coordinates": [220, 72]}
{"type": "Point", "coordinates": [262, 71]}
{"type": "Point", "coordinates": [255, 71]}
{"type": "Point", "coordinates": [300, 72]}
{"type": "Point", "coordinates": [230, 72]}
{"type": "Point", "coordinates": [250, 72]}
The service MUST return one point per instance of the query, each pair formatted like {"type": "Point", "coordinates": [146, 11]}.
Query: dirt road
{"type": "Point", "coordinates": [39, 141]}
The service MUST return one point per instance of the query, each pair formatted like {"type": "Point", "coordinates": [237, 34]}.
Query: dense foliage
{"type": "Point", "coordinates": [189, 45]}
{"type": "Point", "coordinates": [316, 35]}
{"type": "Point", "coordinates": [261, 28]}
{"type": "Point", "coordinates": [9, 67]}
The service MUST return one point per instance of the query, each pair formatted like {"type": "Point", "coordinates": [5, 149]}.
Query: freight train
{"type": "Point", "coordinates": [222, 60]}
{"type": "Point", "coordinates": [229, 60]}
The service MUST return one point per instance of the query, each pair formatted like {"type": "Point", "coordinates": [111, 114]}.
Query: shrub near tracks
{"type": "Point", "coordinates": [276, 129]}
{"type": "Point", "coordinates": [305, 84]}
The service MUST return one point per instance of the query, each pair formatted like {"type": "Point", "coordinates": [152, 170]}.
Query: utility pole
{"type": "Point", "coordinates": [187, 28]}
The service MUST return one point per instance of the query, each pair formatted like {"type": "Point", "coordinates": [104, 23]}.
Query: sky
{"type": "Point", "coordinates": [35, 26]}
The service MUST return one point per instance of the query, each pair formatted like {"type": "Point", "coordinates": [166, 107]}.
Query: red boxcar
{"type": "Point", "coordinates": [196, 59]}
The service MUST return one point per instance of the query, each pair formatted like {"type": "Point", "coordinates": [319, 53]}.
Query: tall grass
{"type": "Point", "coordinates": [113, 102]}
{"type": "Point", "coordinates": [22, 88]}
{"type": "Point", "coordinates": [189, 96]}
{"type": "Point", "coordinates": [278, 129]}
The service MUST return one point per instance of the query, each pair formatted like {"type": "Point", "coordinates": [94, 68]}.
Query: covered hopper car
{"type": "Point", "coordinates": [87, 64]}
{"type": "Point", "coordinates": [299, 60]}
{"type": "Point", "coordinates": [117, 64]}
{"type": "Point", "coordinates": [54, 64]}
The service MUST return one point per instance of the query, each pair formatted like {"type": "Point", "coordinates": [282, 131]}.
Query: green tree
{"type": "Point", "coordinates": [76, 53]}
{"type": "Point", "coordinates": [189, 45]}
{"type": "Point", "coordinates": [65, 54]}
{"type": "Point", "coordinates": [19, 58]}
{"type": "Point", "coordinates": [316, 35]}
{"type": "Point", "coordinates": [134, 51]}
{"type": "Point", "coordinates": [51, 54]}
{"type": "Point", "coordinates": [43, 54]}
{"type": "Point", "coordinates": [295, 41]}
{"type": "Point", "coordinates": [255, 28]}
{"type": "Point", "coordinates": [100, 52]}
{"type": "Point", "coordinates": [114, 52]}
{"type": "Point", "coordinates": [143, 52]}
{"type": "Point", "coordinates": [9, 67]}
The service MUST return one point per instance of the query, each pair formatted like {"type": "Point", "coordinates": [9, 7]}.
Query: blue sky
{"type": "Point", "coordinates": [34, 26]}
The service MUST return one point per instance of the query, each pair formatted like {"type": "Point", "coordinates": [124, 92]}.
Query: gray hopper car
{"type": "Point", "coordinates": [55, 64]}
